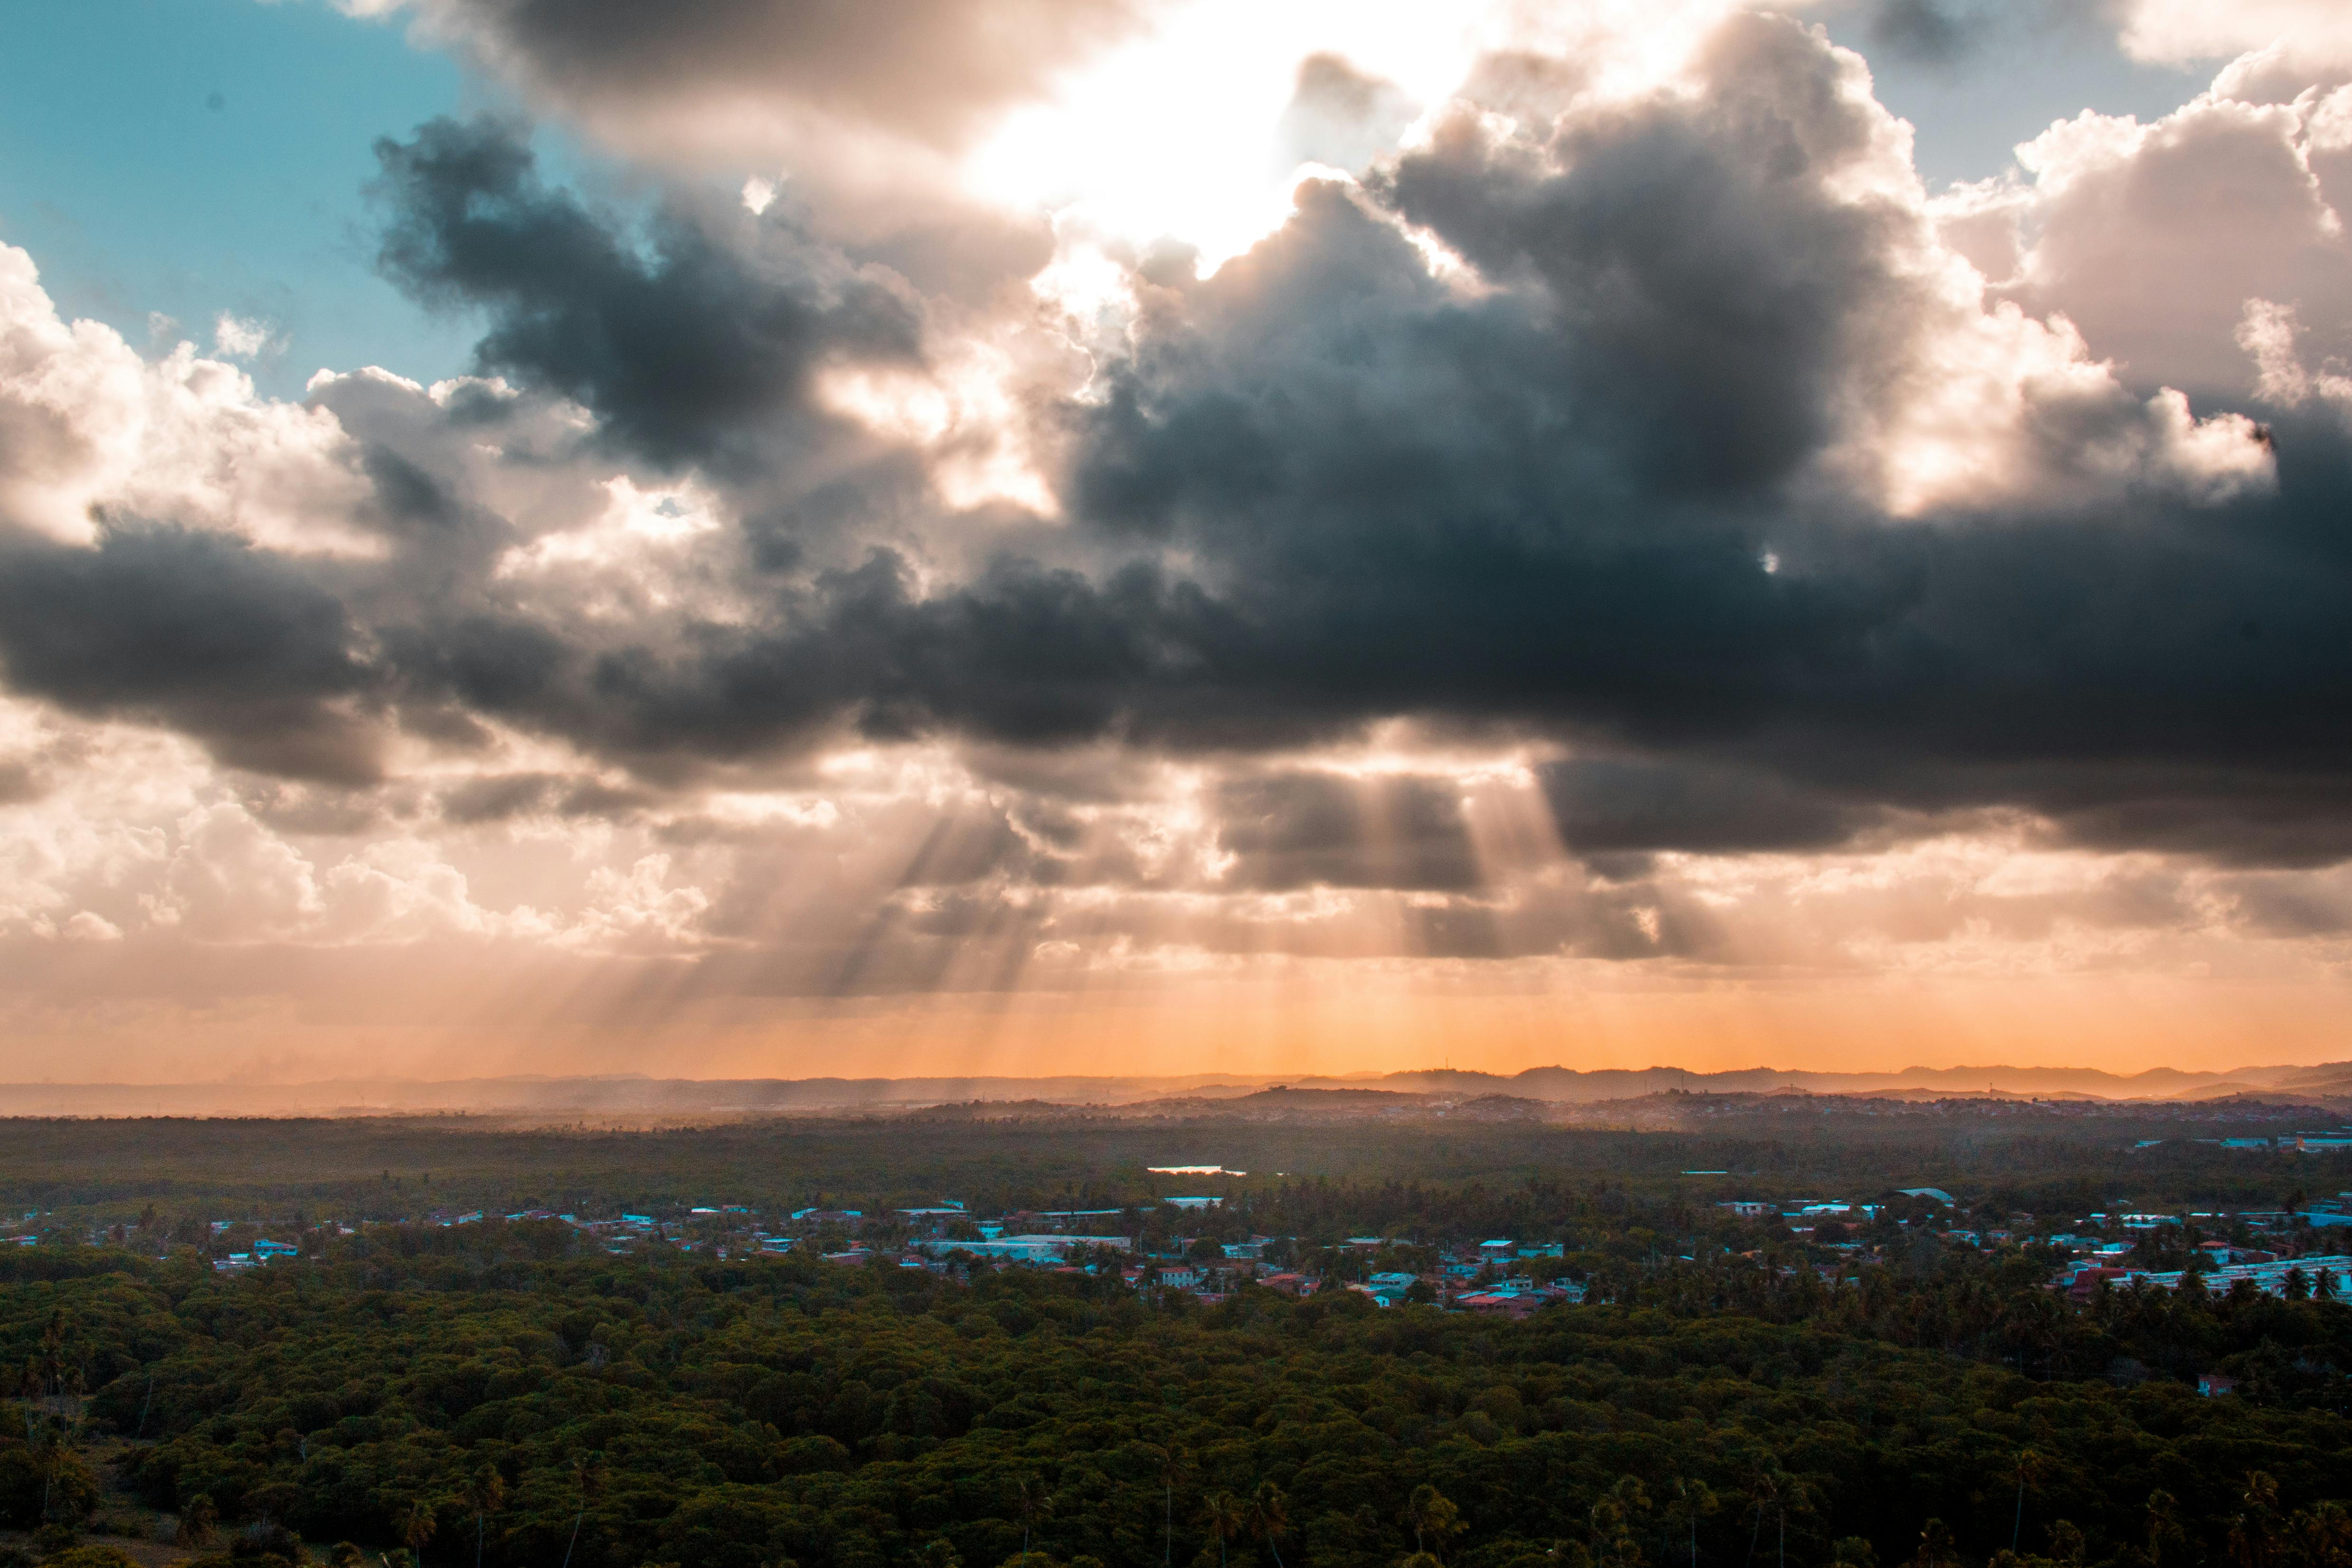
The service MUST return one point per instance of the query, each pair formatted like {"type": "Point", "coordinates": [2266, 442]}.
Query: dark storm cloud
{"type": "Point", "coordinates": [1952, 33]}
{"type": "Point", "coordinates": [1326, 489]}
{"type": "Point", "coordinates": [933, 70]}
{"type": "Point", "coordinates": [1298, 830]}
{"type": "Point", "coordinates": [683, 347]}
{"type": "Point", "coordinates": [1608, 806]}
{"type": "Point", "coordinates": [228, 644]}
{"type": "Point", "coordinates": [1937, 32]}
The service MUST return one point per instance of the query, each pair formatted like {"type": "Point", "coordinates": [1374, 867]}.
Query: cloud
{"type": "Point", "coordinates": [87, 426]}
{"type": "Point", "coordinates": [1301, 829]}
{"type": "Point", "coordinates": [2178, 32]}
{"type": "Point", "coordinates": [2151, 239]}
{"type": "Point", "coordinates": [1606, 806]}
{"type": "Point", "coordinates": [1339, 116]}
{"type": "Point", "coordinates": [227, 642]}
{"type": "Point", "coordinates": [1618, 527]}
{"type": "Point", "coordinates": [1703, 327]}
{"type": "Point", "coordinates": [239, 338]}
{"type": "Point", "coordinates": [681, 352]}
{"type": "Point", "coordinates": [729, 79]}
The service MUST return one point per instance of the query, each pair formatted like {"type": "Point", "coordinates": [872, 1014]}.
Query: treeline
{"type": "Point", "coordinates": [1373, 1174]}
{"type": "Point", "coordinates": [437, 1392]}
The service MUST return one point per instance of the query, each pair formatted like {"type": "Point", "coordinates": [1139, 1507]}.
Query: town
{"type": "Point", "coordinates": [1203, 1246]}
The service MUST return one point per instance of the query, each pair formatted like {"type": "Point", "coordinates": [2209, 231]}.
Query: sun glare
{"type": "Point", "coordinates": [1177, 137]}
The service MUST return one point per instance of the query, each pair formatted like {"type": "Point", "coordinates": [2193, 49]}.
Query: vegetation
{"type": "Point", "coordinates": [508, 1394]}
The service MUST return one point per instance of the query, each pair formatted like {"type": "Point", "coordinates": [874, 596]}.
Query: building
{"type": "Point", "coordinates": [2325, 1276]}
{"type": "Point", "coordinates": [1025, 1249]}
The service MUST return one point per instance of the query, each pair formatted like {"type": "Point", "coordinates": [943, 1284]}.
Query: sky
{"type": "Point", "coordinates": [776, 538]}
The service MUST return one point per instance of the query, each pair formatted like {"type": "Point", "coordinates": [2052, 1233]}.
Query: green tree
{"type": "Point", "coordinates": [1435, 1520]}
{"type": "Point", "coordinates": [1033, 1505]}
{"type": "Point", "coordinates": [1269, 1517]}
{"type": "Point", "coordinates": [2028, 1469]}
{"type": "Point", "coordinates": [484, 1494]}
{"type": "Point", "coordinates": [2163, 1526]}
{"type": "Point", "coordinates": [1692, 1500]}
{"type": "Point", "coordinates": [198, 1518]}
{"type": "Point", "coordinates": [1225, 1516]}
{"type": "Point", "coordinates": [1937, 1549]}
{"type": "Point", "coordinates": [414, 1525]}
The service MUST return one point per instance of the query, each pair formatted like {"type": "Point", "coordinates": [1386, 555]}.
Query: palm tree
{"type": "Point", "coordinates": [1765, 1496]}
{"type": "Point", "coordinates": [1225, 1517]}
{"type": "Point", "coordinates": [1612, 1523]}
{"type": "Point", "coordinates": [415, 1526]}
{"type": "Point", "coordinates": [1433, 1518]}
{"type": "Point", "coordinates": [484, 1494]}
{"type": "Point", "coordinates": [1692, 1498]}
{"type": "Point", "coordinates": [2028, 1470]}
{"type": "Point", "coordinates": [1170, 1460]}
{"type": "Point", "coordinates": [1032, 1503]}
{"type": "Point", "coordinates": [583, 1470]}
{"type": "Point", "coordinates": [1935, 1548]}
{"type": "Point", "coordinates": [1268, 1517]}
{"type": "Point", "coordinates": [2250, 1531]}
{"type": "Point", "coordinates": [2163, 1526]}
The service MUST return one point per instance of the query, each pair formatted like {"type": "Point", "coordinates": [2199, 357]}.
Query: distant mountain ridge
{"type": "Point", "coordinates": [636, 1096]}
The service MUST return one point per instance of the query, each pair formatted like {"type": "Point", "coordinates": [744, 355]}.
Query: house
{"type": "Point", "coordinates": [2212, 1383]}
{"type": "Point", "coordinates": [1749, 1208]}
{"type": "Point", "coordinates": [1497, 1251]}
{"type": "Point", "coordinates": [265, 1250]}
{"type": "Point", "coordinates": [1933, 1193]}
{"type": "Point", "coordinates": [2085, 1284]}
{"type": "Point", "coordinates": [1498, 1303]}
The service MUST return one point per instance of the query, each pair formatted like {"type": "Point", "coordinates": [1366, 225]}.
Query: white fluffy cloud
{"type": "Point", "coordinates": [90, 426]}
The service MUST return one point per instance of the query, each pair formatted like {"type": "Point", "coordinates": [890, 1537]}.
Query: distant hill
{"type": "Point", "coordinates": [1516, 1094]}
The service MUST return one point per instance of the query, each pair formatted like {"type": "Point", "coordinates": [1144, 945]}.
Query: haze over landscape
{"type": "Point", "coordinates": [1138, 539]}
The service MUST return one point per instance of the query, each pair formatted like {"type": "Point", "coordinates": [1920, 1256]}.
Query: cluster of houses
{"type": "Point", "coordinates": [1490, 1277]}
{"type": "Point", "coordinates": [2284, 1258]}
{"type": "Point", "coordinates": [2271, 1251]}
